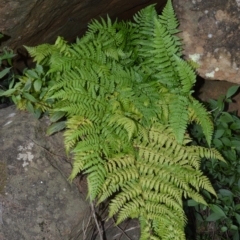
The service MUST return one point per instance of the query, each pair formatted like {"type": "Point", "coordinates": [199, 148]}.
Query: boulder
{"type": "Point", "coordinates": [210, 32]}
{"type": "Point", "coordinates": [210, 29]}
{"type": "Point", "coordinates": [37, 201]}
{"type": "Point", "coordinates": [32, 22]}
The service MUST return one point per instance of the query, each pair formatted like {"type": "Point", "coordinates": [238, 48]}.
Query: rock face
{"type": "Point", "coordinates": [36, 200]}
{"type": "Point", "coordinates": [211, 33]}
{"type": "Point", "coordinates": [32, 22]}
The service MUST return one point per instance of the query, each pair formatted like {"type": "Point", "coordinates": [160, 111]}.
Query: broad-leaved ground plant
{"type": "Point", "coordinates": [123, 94]}
{"type": "Point", "coordinates": [221, 219]}
{"type": "Point", "coordinates": [6, 73]}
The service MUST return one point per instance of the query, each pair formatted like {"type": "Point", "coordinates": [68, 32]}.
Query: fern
{"type": "Point", "coordinates": [126, 98]}
{"type": "Point", "coordinates": [199, 114]}
{"type": "Point", "coordinates": [178, 118]}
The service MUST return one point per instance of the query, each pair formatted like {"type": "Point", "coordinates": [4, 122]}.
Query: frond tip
{"type": "Point", "coordinates": [200, 115]}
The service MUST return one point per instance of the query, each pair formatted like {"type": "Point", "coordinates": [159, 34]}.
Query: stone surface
{"type": "Point", "coordinates": [37, 201]}
{"type": "Point", "coordinates": [211, 33]}
{"type": "Point", "coordinates": [32, 22]}
{"type": "Point", "coordinates": [210, 29]}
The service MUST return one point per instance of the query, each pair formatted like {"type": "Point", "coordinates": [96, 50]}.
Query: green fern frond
{"type": "Point", "coordinates": [78, 165]}
{"type": "Point", "coordinates": [169, 20]}
{"type": "Point", "coordinates": [41, 53]}
{"type": "Point", "coordinates": [209, 153]}
{"type": "Point", "coordinates": [161, 182]}
{"type": "Point", "coordinates": [153, 184]}
{"type": "Point", "coordinates": [168, 230]}
{"type": "Point", "coordinates": [161, 42]}
{"type": "Point", "coordinates": [77, 127]}
{"type": "Point", "coordinates": [155, 210]}
{"type": "Point", "coordinates": [132, 208]}
{"type": "Point", "coordinates": [128, 124]}
{"type": "Point", "coordinates": [62, 45]}
{"type": "Point", "coordinates": [129, 191]}
{"type": "Point", "coordinates": [121, 176]}
{"type": "Point", "coordinates": [95, 179]}
{"type": "Point", "coordinates": [104, 25]}
{"type": "Point", "coordinates": [200, 115]}
{"type": "Point", "coordinates": [166, 199]}
{"type": "Point", "coordinates": [83, 49]}
{"type": "Point", "coordinates": [186, 74]}
{"type": "Point", "coordinates": [178, 117]}
{"type": "Point", "coordinates": [119, 161]}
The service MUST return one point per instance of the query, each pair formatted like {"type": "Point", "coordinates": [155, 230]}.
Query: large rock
{"type": "Point", "coordinates": [210, 29]}
{"type": "Point", "coordinates": [32, 22]}
{"type": "Point", "coordinates": [36, 201]}
{"type": "Point", "coordinates": [211, 33]}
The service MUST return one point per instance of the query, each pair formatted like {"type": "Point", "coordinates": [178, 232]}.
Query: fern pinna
{"type": "Point", "coordinates": [126, 95]}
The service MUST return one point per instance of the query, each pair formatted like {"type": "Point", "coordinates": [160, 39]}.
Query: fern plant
{"type": "Point", "coordinates": [125, 97]}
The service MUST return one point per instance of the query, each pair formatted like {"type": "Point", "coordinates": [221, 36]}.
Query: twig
{"type": "Point", "coordinates": [96, 222]}
{"type": "Point", "coordinates": [85, 229]}
{"type": "Point", "coordinates": [124, 231]}
{"type": "Point", "coordinates": [127, 230]}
